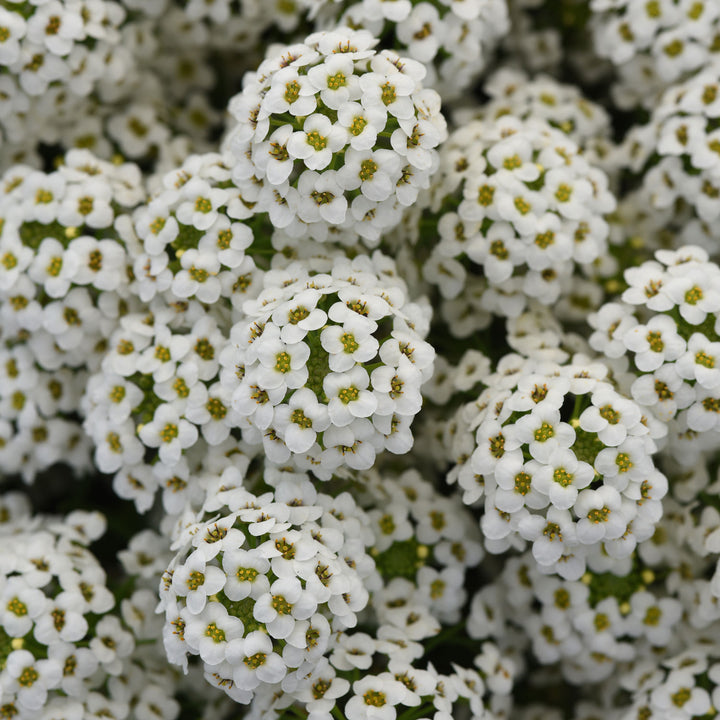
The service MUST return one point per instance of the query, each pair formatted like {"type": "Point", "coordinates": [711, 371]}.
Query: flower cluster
{"type": "Point", "coordinates": [654, 44]}
{"type": "Point", "coordinates": [327, 367]}
{"type": "Point", "coordinates": [563, 461]}
{"type": "Point", "coordinates": [516, 201]}
{"type": "Point", "coordinates": [331, 133]}
{"type": "Point", "coordinates": [676, 158]}
{"type": "Point", "coordinates": [196, 235]}
{"type": "Point", "coordinates": [260, 583]}
{"type": "Point", "coordinates": [453, 40]}
{"type": "Point", "coordinates": [666, 323]}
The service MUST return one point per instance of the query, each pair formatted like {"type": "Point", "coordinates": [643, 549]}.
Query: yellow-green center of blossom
{"type": "Point", "coordinates": [43, 197]}
{"type": "Point", "coordinates": [498, 250]}
{"type": "Point", "coordinates": [282, 363]}
{"type": "Point", "coordinates": [522, 483]}
{"type": "Point", "coordinates": [17, 607]}
{"type": "Point", "coordinates": [710, 91]}
{"type": "Point", "coordinates": [53, 25]}
{"type": "Point", "coordinates": [522, 205]}
{"type": "Point", "coordinates": [663, 391]}
{"type": "Point", "coordinates": [539, 393]}
{"type": "Point", "coordinates": [544, 432]}
{"type": "Point", "coordinates": [203, 205]}
{"type": "Point", "coordinates": [512, 162]}
{"type": "Point", "coordinates": [319, 689]}
{"type": "Point", "coordinates": [387, 524]}
{"type": "Point", "coordinates": [157, 225]}
{"type": "Point", "coordinates": [486, 193]}
{"type": "Point", "coordinates": [563, 193]}
{"type": "Point", "coordinates": [316, 141]}
{"type": "Point", "coordinates": [350, 345]}
{"type": "Point", "coordinates": [674, 48]}
{"type": "Point", "coordinates": [216, 408]}
{"type": "Point", "coordinates": [388, 94]}
{"type": "Point", "coordinates": [223, 239]}
{"type": "Point", "coordinates": [623, 462]}
{"type": "Point", "coordinates": [4, 34]}
{"type": "Point", "coordinates": [286, 549]}
{"type": "Point", "coordinates": [117, 394]}
{"type": "Point", "coordinates": [292, 91]}
{"type": "Point", "coordinates": [562, 477]}
{"type": "Point", "coordinates": [694, 295]}
{"type": "Point", "coordinates": [71, 316]}
{"type": "Point", "coordinates": [298, 314]}
{"type": "Point", "coordinates": [215, 633]}
{"type": "Point", "coordinates": [601, 622]}
{"type": "Point", "coordinates": [85, 205]}
{"type": "Point", "coordinates": [702, 358]}
{"type": "Point", "coordinates": [58, 617]}
{"type": "Point", "coordinates": [95, 261]}
{"type": "Point", "coordinates": [299, 418]}
{"type": "Point", "coordinates": [162, 353]}
{"type": "Point", "coordinates": [608, 413]}
{"type": "Point", "coordinates": [255, 661]}
{"type": "Point", "coordinates": [655, 341]}
{"type": "Point", "coordinates": [204, 349]}
{"type": "Point", "coordinates": [368, 168]}
{"type": "Point", "coordinates": [322, 198]}
{"type": "Point", "coordinates": [626, 32]}
{"type": "Point", "coordinates": [552, 531]}
{"type": "Point", "coordinates": [278, 152]}
{"type": "Point", "coordinates": [9, 261]}
{"type": "Point", "coordinates": [375, 698]}
{"type": "Point", "coordinates": [18, 400]}
{"type": "Point", "coordinates": [652, 8]}
{"type": "Point", "coordinates": [169, 432]}
{"type": "Point", "coordinates": [652, 616]}
{"type": "Point", "coordinates": [357, 125]}
{"type": "Point", "coordinates": [680, 697]}
{"type": "Point", "coordinates": [195, 580]}
{"type": "Point", "coordinates": [711, 404]}
{"type": "Point", "coordinates": [348, 395]}
{"type": "Point", "coordinates": [497, 445]}
{"type": "Point", "coordinates": [198, 274]}
{"type": "Point", "coordinates": [28, 677]}
{"type": "Point", "coordinates": [545, 240]}
{"type": "Point", "coordinates": [396, 388]}
{"type": "Point", "coordinates": [336, 81]}
{"type": "Point", "coordinates": [281, 605]}
{"type": "Point", "coordinates": [54, 266]}
{"type": "Point", "coordinates": [244, 574]}
{"type": "Point", "coordinates": [598, 516]}
{"type": "Point", "coordinates": [113, 442]}
{"type": "Point", "coordinates": [181, 388]}
{"type": "Point", "coordinates": [70, 666]}
{"type": "Point", "coordinates": [562, 599]}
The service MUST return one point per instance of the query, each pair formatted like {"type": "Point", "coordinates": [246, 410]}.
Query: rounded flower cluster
{"type": "Point", "coordinates": [196, 236]}
{"type": "Point", "coordinates": [327, 367]}
{"type": "Point", "coordinates": [424, 544]}
{"type": "Point", "coordinates": [49, 50]}
{"type": "Point", "coordinates": [517, 207]}
{"type": "Point", "coordinates": [667, 325]}
{"type": "Point", "coordinates": [331, 133]}
{"type": "Point", "coordinates": [564, 462]}
{"type": "Point", "coordinates": [63, 256]}
{"type": "Point", "coordinates": [591, 625]}
{"type": "Point", "coordinates": [676, 158]}
{"type": "Point", "coordinates": [55, 630]}
{"type": "Point", "coordinates": [155, 397]}
{"type": "Point", "coordinates": [513, 92]}
{"type": "Point", "coordinates": [453, 40]}
{"type": "Point", "coordinates": [654, 44]}
{"type": "Point", "coordinates": [261, 583]}
{"type": "Point", "coordinates": [686, 685]}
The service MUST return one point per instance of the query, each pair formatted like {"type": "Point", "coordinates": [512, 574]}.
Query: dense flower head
{"type": "Point", "coordinates": [517, 208]}
{"type": "Point", "coordinates": [330, 132]}
{"type": "Point", "coordinates": [675, 160]}
{"type": "Point", "coordinates": [563, 461]}
{"type": "Point", "coordinates": [326, 368]}
{"type": "Point", "coordinates": [654, 44]}
{"type": "Point", "coordinates": [198, 236]}
{"type": "Point", "coordinates": [454, 40]}
{"type": "Point", "coordinates": [261, 582]}
{"type": "Point", "coordinates": [666, 323]}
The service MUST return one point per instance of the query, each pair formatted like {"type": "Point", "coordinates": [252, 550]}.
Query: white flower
{"type": "Point", "coordinates": [561, 477]}
{"type": "Point", "coordinates": [285, 603]}
{"type": "Point", "coordinates": [317, 141]}
{"type": "Point", "coordinates": [374, 172]}
{"type": "Point", "coordinates": [30, 679]}
{"type": "Point", "coordinates": [348, 397]}
{"type": "Point", "coordinates": [300, 420]}
{"type": "Point", "coordinates": [654, 343]}
{"type": "Point", "coordinates": [600, 515]}
{"type": "Point", "coordinates": [375, 698]}
{"type": "Point", "coordinates": [212, 632]}
{"type": "Point", "coordinates": [254, 661]}
{"type": "Point", "coordinates": [246, 574]}
{"type": "Point", "coordinates": [195, 580]}
{"type": "Point", "coordinates": [168, 432]}
{"type": "Point", "coordinates": [551, 535]}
